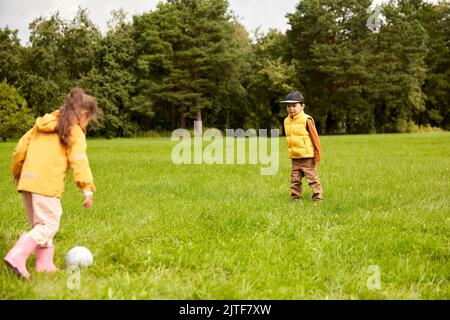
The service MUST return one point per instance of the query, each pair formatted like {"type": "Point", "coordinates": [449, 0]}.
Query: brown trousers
{"type": "Point", "coordinates": [305, 168]}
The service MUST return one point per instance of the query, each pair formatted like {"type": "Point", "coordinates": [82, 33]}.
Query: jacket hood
{"type": "Point", "coordinates": [48, 122]}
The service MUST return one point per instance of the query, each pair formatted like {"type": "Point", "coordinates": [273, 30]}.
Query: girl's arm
{"type": "Point", "coordinates": [20, 153]}
{"type": "Point", "coordinates": [76, 155]}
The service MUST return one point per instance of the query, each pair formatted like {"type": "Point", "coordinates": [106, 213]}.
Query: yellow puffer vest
{"type": "Point", "coordinates": [297, 137]}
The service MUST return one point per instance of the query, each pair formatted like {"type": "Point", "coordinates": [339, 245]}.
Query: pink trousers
{"type": "Point", "coordinates": [44, 214]}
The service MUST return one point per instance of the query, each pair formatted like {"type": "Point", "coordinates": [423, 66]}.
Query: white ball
{"type": "Point", "coordinates": [79, 256]}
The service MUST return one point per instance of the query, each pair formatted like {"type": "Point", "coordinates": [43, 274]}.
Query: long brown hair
{"type": "Point", "coordinates": [70, 113]}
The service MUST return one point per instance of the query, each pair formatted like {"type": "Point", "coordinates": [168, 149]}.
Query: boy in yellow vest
{"type": "Point", "coordinates": [303, 147]}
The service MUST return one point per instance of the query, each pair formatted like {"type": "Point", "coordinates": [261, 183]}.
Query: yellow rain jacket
{"type": "Point", "coordinates": [40, 161]}
{"type": "Point", "coordinates": [297, 137]}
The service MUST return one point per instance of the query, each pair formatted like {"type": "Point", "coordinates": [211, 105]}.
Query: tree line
{"type": "Point", "coordinates": [192, 60]}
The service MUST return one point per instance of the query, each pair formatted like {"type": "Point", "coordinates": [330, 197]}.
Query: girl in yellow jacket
{"type": "Point", "coordinates": [40, 162]}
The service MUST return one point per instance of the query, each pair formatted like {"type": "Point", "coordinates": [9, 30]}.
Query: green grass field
{"type": "Point", "coordinates": [162, 231]}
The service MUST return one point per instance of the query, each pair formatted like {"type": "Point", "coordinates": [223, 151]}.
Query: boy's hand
{"type": "Point", "coordinates": [88, 202]}
{"type": "Point", "coordinates": [316, 161]}
{"type": "Point", "coordinates": [16, 180]}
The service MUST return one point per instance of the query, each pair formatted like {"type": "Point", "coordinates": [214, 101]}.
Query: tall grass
{"type": "Point", "coordinates": [162, 231]}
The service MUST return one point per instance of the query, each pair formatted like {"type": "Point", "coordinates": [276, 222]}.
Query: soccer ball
{"type": "Point", "coordinates": [79, 256]}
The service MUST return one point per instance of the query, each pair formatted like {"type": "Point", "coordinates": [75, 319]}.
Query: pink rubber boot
{"type": "Point", "coordinates": [17, 257]}
{"type": "Point", "coordinates": [44, 259]}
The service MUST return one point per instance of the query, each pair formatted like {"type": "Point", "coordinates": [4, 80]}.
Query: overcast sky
{"type": "Point", "coordinates": [17, 14]}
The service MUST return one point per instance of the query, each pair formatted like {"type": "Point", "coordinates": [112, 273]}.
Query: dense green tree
{"type": "Point", "coordinates": [15, 118]}
{"type": "Point", "coordinates": [45, 80]}
{"type": "Point", "coordinates": [192, 60]}
{"type": "Point", "coordinates": [436, 21]}
{"type": "Point", "coordinates": [330, 41]}
{"type": "Point", "coordinates": [185, 58]}
{"type": "Point", "coordinates": [400, 69]}
{"type": "Point", "coordinates": [80, 45]}
{"type": "Point", "coordinates": [60, 53]}
{"type": "Point", "coordinates": [357, 80]}
{"type": "Point", "coordinates": [230, 106]}
{"type": "Point", "coordinates": [270, 79]}
{"type": "Point", "coordinates": [11, 56]}
{"type": "Point", "coordinates": [112, 81]}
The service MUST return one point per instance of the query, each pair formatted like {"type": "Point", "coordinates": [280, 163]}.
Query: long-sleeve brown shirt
{"type": "Point", "coordinates": [310, 126]}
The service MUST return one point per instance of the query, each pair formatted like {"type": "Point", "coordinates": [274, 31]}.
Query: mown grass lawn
{"type": "Point", "coordinates": [162, 231]}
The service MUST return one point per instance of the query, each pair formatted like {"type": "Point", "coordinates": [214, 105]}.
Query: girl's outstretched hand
{"type": "Point", "coordinates": [88, 202]}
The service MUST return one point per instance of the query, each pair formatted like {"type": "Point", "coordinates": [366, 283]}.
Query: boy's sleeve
{"type": "Point", "coordinates": [314, 139]}
{"type": "Point", "coordinates": [20, 152]}
{"type": "Point", "coordinates": [78, 161]}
